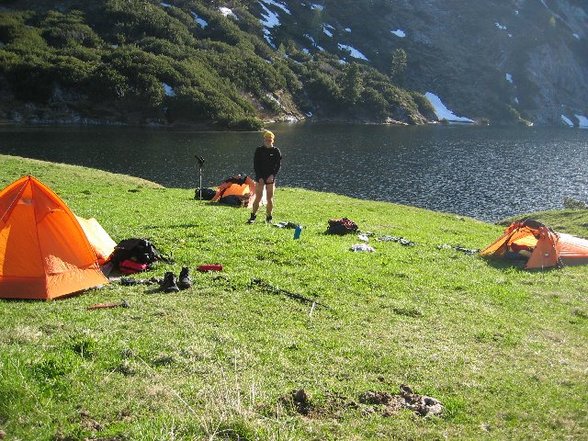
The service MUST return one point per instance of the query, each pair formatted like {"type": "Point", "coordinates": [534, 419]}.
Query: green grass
{"type": "Point", "coordinates": [503, 349]}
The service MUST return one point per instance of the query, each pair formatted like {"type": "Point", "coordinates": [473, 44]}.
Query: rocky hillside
{"type": "Point", "coordinates": [235, 64]}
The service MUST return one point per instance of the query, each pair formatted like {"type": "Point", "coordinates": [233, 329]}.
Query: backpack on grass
{"type": "Point", "coordinates": [141, 251]}
{"type": "Point", "coordinates": [341, 226]}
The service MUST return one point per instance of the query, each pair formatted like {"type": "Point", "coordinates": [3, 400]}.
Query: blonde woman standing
{"type": "Point", "coordinates": [266, 163]}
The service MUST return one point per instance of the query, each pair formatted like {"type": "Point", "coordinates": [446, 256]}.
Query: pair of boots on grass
{"type": "Point", "coordinates": [253, 217]}
{"type": "Point", "coordinates": [172, 284]}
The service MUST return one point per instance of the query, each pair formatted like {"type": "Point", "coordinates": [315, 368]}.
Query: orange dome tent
{"type": "Point", "coordinates": [44, 252]}
{"type": "Point", "coordinates": [241, 186]}
{"type": "Point", "coordinates": [543, 247]}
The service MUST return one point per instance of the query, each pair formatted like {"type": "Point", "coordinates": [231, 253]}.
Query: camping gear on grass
{"type": "Point", "coordinates": [341, 226]}
{"type": "Point", "coordinates": [539, 245]}
{"type": "Point", "coordinates": [121, 304]}
{"type": "Point", "coordinates": [210, 267]}
{"type": "Point", "coordinates": [401, 240]}
{"type": "Point", "coordinates": [129, 266]}
{"type": "Point", "coordinates": [286, 224]}
{"type": "Point", "coordinates": [362, 247]}
{"type": "Point", "coordinates": [200, 160]}
{"type": "Point", "coordinates": [99, 239]}
{"type": "Point", "coordinates": [169, 283]}
{"type": "Point", "coordinates": [297, 231]}
{"type": "Point", "coordinates": [237, 190]}
{"type": "Point", "coordinates": [135, 255]}
{"type": "Point", "coordinates": [184, 280]}
{"type": "Point", "coordinates": [259, 283]}
{"type": "Point", "coordinates": [205, 194]}
{"type": "Point", "coordinates": [44, 252]}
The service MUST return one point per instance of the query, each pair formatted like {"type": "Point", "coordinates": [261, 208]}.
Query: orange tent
{"type": "Point", "coordinates": [44, 252]}
{"type": "Point", "coordinates": [543, 247]}
{"type": "Point", "coordinates": [241, 186]}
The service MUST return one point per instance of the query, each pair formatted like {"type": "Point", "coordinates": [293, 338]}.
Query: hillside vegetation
{"type": "Point", "coordinates": [503, 349]}
{"type": "Point", "coordinates": [149, 62]}
{"type": "Point", "coordinates": [236, 63]}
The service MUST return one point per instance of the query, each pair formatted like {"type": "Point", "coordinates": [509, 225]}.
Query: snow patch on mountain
{"type": "Point", "coordinates": [280, 5]}
{"type": "Point", "coordinates": [168, 90]}
{"type": "Point", "coordinates": [314, 43]}
{"type": "Point", "coordinates": [352, 51]}
{"type": "Point", "coordinates": [443, 112]}
{"type": "Point", "coordinates": [203, 23]}
{"type": "Point", "coordinates": [270, 19]}
{"type": "Point", "coordinates": [328, 30]}
{"type": "Point", "coordinates": [227, 12]}
{"type": "Point", "coordinates": [583, 121]}
{"type": "Point", "coordinates": [567, 121]}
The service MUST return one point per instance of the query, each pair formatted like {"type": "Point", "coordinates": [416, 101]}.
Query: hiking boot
{"type": "Point", "coordinates": [184, 281]}
{"type": "Point", "coordinates": [269, 218]}
{"type": "Point", "coordinates": [252, 218]}
{"type": "Point", "coordinates": [169, 283]}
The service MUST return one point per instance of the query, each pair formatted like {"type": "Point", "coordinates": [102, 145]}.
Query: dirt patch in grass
{"type": "Point", "coordinates": [383, 402]}
{"type": "Point", "coordinates": [389, 404]}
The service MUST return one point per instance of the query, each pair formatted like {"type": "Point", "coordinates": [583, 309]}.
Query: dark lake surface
{"type": "Point", "coordinates": [487, 173]}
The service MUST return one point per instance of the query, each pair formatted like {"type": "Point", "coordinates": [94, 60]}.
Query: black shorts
{"type": "Point", "coordinates": [265, 179]}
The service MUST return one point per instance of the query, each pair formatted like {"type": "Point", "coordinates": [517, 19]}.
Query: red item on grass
{"type": "Point", "coordinates": [131, 267]}
{"type": "Point", "coordinates": [210, 267]}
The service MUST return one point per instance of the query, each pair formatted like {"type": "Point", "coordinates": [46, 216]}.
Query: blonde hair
{"type": "Point", "coordinates": [268, 134]}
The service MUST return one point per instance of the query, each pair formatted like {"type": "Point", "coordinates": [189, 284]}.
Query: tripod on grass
{"type": "Point", "coordinates": [200, 160]}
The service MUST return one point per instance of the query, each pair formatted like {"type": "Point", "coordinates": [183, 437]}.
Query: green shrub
{"type": "Point", "coordinates": [20, 38]}
{"type": "Point", "coordinates": [31, 80]}
{"type": "Point", "coordinates": [322, 87]}
{"type": "Point", "coordinates": [107, 82]}
{"type": "Point", "coordinates": [70, 70]}
{"type": "Point", "coordinates": [61, 30]}
{"type": "Point", "coordinates": [375, 103]}
{"type": "Point", "coordinates": [137, 19]}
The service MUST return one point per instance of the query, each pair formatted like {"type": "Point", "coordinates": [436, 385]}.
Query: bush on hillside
{"type": "Point", "coordinates": [322, 87]}
{"type": "Point", "coordinates": [136, 19]}
{"type": "Point", "coordinates": [373, 101]}
{"type": "Point", "coordinates": [71, 71]}
{"type": "Point", "coordinates": [62, 30]}
{"type": "Point", "coordinates": [107, 83]}
{"type": "Point", "coordinates": [31, 80]}
{"type": "Point", "coordinates": [20, 38]}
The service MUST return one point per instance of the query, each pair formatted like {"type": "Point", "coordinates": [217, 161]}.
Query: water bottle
{"type": "Point", "coordinates": [297, 232]}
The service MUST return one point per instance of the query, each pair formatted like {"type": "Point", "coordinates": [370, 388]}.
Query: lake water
{"type": "Point", "coordinates": [486, 173]}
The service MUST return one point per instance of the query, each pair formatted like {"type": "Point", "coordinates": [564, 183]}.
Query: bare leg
{"type": "Point", "coordinates": [269, 194]}
{"type": "Point", "coordinates": [258, 195]}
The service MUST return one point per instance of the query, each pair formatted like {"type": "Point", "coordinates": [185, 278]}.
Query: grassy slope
{"type": "Point", "coordinates": [503, 349]}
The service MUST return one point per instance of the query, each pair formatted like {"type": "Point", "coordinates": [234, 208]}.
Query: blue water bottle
{"type": "Point", "coordinates": [297, 232]}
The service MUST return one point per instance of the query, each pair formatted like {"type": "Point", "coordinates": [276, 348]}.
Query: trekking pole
{"type": "Point", "coordinates": [200, 160]}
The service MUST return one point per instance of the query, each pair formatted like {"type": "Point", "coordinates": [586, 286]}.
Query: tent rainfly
{"type": "Point", "coordinates": [241, 186]}
{"type": "Point", "coordinates": [540, 245]}
{"type": "Point", "coordinates": [44, 252]}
